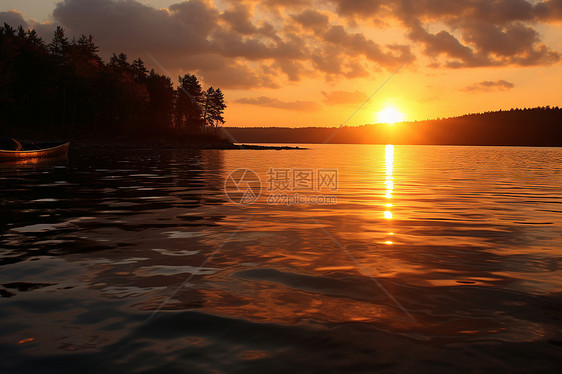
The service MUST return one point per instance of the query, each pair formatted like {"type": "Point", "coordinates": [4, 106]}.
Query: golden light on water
{"type": "Point", "coordinates": [390, 115]}
{"type": "Point", "coordinates": [389, 159]}
{"type": "Point", "coordinates": [389, 166]}
{"type": "Point", "coordinates": [389, 183]}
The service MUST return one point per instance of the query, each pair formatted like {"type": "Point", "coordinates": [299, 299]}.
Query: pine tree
{"type": "Point", "coordinates": [119, 63]}
{"type": "Point", "coordinates": [207, 121]}
{"type": "Point", "coordinates": [217, 107]}
{"type": "Point", "coordinates": [189, 103]}
{"type": "Point", "coordinates": [59, 49]}
{"type": "Point", "coordinates": [59, 46]}
{"type": "Point", "coordinates": [65, 88]}
{"type": "Point", "coordinates": [161, 105]}
{"type": "Point", "coordinates": [34, 39]}
{"type": "Point", "coordinates": [139, 70]}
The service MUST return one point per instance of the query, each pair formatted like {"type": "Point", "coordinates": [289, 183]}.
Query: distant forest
{"type": "Point", "coordinates": [533, 127]}
{"type": "Point", "coordinates": [64, 89]}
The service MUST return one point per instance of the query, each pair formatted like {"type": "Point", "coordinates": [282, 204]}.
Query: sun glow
{"type": "Point", "coordinates": [390, 115]}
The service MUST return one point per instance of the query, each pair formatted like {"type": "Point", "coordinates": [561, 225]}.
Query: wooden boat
{"type": "Point", "coordinates": [42, 152]}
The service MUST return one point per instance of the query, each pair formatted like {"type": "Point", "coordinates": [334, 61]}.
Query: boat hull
{"type": "Point", "coordinates": [51, 152]}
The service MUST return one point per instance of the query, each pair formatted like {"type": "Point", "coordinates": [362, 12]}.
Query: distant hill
{"type": "Point", "coordinates": [540, 126]}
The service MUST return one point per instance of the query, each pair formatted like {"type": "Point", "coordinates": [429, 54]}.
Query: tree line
{"type": "Point", "coordinates": [64, 88]}
{"type": "Point", "coordinates": [541, 126]}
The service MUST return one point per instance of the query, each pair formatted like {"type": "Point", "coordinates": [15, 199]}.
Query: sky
{"type": "Point", "coordinates": [317, 63]}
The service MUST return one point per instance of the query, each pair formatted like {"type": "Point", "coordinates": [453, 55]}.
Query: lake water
{"type": "Point", "coordinates": [426, 258]}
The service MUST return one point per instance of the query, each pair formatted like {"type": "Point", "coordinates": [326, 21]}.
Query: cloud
{"type": "Point", "coordinates": [12, 18]}
{"type": "Point", "coordinates": [138, 27]}
{"type": "Point", "coordinates": [185, 35]}
{"type": "Point", "coordinates": [482, 39]}
{"type": "Point", "coordinates": [191, 36]}
{"type": "Point", "coordinates": [285, 47]}
{"type": "Point", "coordinates": [358, 8]}
{"type": "Point", "coordinates": [265, 101]}
{"type": "Point", "coordinates": [469, 33]}
{"type": "Point", "coordinates": [232, 74]}
{"type": "Point", "coordinates": [255, 51]}
{"type": "Point", "coordinates": [499, 85]}
{"type": "Point", "coordinates": [240, 19]}
{"type": "Point", "coordinates": [16, 19]}
{"type": "Point", "coordinates": [267, 43]}
{"type": "Point", "coordinates": [339, 42]}
{"type": "Point", "coordinates": [312, 19]}
{"type": "Point", "coordinates": [550, 10]}
{"type": "Point", "coordinates": [464, 33]}
{"type": "Point", "coordinates": [344, 97]}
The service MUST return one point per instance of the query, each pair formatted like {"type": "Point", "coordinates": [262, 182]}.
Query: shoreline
{"type": "Point", "coordinates": [81, 144]}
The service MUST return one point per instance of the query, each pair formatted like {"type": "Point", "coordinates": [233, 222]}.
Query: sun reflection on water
{"type": "Point", "coordinates": [389, 165]}
{"type": "Point", "coordinates": [389, 183]}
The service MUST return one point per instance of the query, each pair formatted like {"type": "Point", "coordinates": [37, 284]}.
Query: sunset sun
{"type": "Point", "coordinates": [390, 115]}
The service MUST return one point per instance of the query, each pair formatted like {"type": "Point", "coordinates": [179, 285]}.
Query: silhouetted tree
{"type": "Point", "coordinates": [161, 104]}
{"type": "Point", "coordinates": [189, 103]}
{"type": "Point", "coordinates": [59, 46]}
{"type": "Point", "coordinates": [139, 71]}
{"type": "Point", "coordinates": [214, 107]}
{"type": "Point", "coordinates": [25, 77]}
{"type": "Point", "coordinates": [85, 67]}
{"type": "Point", "coordinates": [64, 87]}
{"type": "Point", "coordinates": [129, 94]}
{"type": "Point", "coordinates": [207, 107]}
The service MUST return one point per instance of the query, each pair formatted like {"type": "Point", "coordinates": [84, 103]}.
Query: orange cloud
{"type": "Point", "coordinates": [499, 85]}
{"type": "Point", "coordinates": [264, 101]}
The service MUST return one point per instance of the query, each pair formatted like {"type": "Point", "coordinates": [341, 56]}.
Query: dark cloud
{"type": "Point", "coordinates": [293, 69]}
{"type": "Point", "coordinates": [189, 36]}
{"type": "Point", "coordinates": [12, 18]}
{"type": "Point", "coordinates": [488, 45]}
{"type": "Point", "coordinates": [550, 10]}
{"type": "Point", "coordinates": [228, 73]}
{"type": "Point", "coordinates": [198, 27]}
{"type": "Point", "coordinates": [276, 4]}
{"type": "Point", "coordinates": [499, 85]}
{"type": "Point", "coordinates": [15, 19]}
{"type": "Point", "coordinates": [445, 44]}
{"type": "Point", "coordinates": [304, 106]}
{"type": "Point", "coordinates": [240, 19]}
{"type": "Point", "coordinates": [341, 46]}
{"type": "Point", "coordinates": [312, 19]}
{"type": "Point", "coordinates": [358, 8]}
{"type": "Point", "coordinates": [137, 27]}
